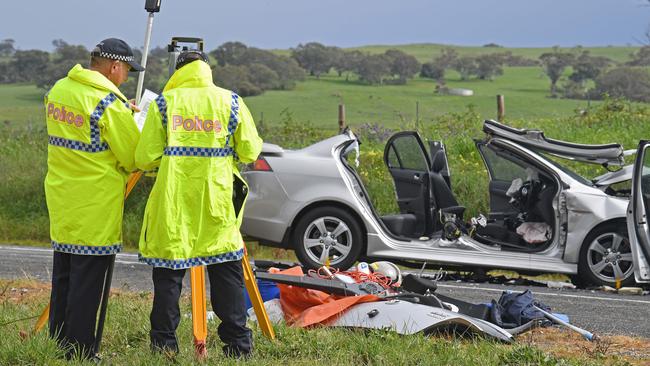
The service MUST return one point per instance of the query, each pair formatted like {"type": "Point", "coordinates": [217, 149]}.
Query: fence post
{"type": "Point", "coordinates": [341, 117]}
{"type": "Point", "coordinates": [501, 107]}
{"type": "Point", "coordinates": [417, 114]}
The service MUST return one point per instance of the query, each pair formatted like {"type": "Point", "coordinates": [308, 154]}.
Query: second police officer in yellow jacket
{"type": "Point", "coordinates": [194, 135]}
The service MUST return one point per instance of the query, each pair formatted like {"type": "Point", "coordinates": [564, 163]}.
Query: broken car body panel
{"type": "Point", "coordinates": [638, 211]}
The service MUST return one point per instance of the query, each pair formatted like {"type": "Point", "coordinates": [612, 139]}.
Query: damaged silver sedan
{"type": "Point", "coordinates": [543, 217]}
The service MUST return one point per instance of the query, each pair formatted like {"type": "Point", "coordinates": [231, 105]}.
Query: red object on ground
{"type": "Point", "coordinates": [306, 307]}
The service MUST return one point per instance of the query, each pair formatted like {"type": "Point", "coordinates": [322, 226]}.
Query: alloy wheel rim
{"type": "Point", "coordinates": [609, 257]}
{"type": "Point", "coordinates": [327, 238]}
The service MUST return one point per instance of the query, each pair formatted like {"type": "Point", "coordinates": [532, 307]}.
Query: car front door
{"type": "Point", "coordinates": [407, 161]}
{"type": "Point", "coordinates": [639, 212]}
{"type": "Point", "coordinates": [502, 172]}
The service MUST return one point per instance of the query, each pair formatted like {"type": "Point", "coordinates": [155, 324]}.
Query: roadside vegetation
{"type": "Point", "coordinates": [126, 341]}
{"type": "Point", "coordinates": [296, 94]}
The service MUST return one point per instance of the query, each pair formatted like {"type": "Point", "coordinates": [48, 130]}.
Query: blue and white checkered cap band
{"type": "Point", "coordinates": [210, 152]}
{"type": "Point", "coordinates": [193, 262]}
{"type": "Point", "coordinates": [86, 249]}
{"type": "Point", "coordinates": [95, 144]}
{"type": "Point", "coordinates": [113, 56]}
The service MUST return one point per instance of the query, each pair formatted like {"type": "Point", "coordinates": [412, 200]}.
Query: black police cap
{"type": "Point", "coordinates": [117, 49]}
{"type": "Point", "coordinates": [188, 56]}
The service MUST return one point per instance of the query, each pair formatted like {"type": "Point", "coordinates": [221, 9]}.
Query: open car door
{"type": "Point", "coordinates": [406, 159]}
{"type": "Point", "coordinates": [639, 212]}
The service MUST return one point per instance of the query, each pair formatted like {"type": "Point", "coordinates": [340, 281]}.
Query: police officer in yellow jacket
{"type": "Point", "coordinates": [194, 134]}
{"type": "Point", "coordinates": [92, 139]}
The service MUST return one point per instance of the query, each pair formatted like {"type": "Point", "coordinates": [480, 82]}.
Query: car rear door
{"type": "Point", "coordinates": [407, 161]}
{"type": "Point", "coordinates": [639, 212]}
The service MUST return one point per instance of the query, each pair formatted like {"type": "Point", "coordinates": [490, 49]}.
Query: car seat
{"type": "Point", "coordinates": [446, 203]}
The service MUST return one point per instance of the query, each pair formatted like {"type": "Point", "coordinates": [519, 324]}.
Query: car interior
{"type": "Point", "coordinates": [521, 196]}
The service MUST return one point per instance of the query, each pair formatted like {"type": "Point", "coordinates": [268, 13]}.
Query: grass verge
{"type": "Point", "coordinates": [126, 341]}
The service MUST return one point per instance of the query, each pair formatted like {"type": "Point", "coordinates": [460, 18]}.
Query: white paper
{"type": "Point", "coordinates": [147, 97]}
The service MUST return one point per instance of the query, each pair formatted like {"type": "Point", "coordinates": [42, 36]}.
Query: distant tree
{"type": "Point", "coordinates": [263, 77]}
{"type": "Point", "coordinates": [632, 83]}
{"type": "Point", "coordinates": [230, 53]}
{"type": "Point", "coordinates": [640, 57]}
{"type": "Point", "coordinates": [64, 57]}
{"type": "Point", "coordinates": [7, 47]}
{"type": "Point", "coordinates": [492, 45]}
{"type": "Point", "coordinates": [7, 73]}
{"type": "Point", "coordinates": [27, 65]}
{"type": "Point", "coordinates": [431, 70]}
{"type": "Point", "coordinates": [254, 68]}
{"type": "Point", "coordinates": [554, 63]}
{"type": "Point", "coordinates": [373, 69]}
{"type": "Point", "coordinates": [446, 58]}
{"type": "Point", "coordinates": [348, 62]}
{"type": "Point", "coordinates": [313, 57]}
{"type": "Point", "coordinates": [517, 61]}
{"type": "Point", "coordinates": [402, 65]}
{"type": "Point", "coordinates": [466, 67]}
{"type": "Point", "coordinates": [235, 78]}
{"type": "Point", "coordinates": [586, 67]}
{"type": "Point", "coordinates": [158, 52]}
{"type": "Point", "coordinates": [488, 66]}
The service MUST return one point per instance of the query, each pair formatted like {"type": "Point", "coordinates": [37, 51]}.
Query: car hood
{"type": "Point", "coordinates": [618, 176]}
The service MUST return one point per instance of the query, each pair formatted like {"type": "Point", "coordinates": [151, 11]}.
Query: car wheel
{"type": "Point", "coordinates": [327, 233]}
{"type": "Point", "coordinates": [606, 256]}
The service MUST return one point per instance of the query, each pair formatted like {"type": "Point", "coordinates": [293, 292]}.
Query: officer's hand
{"type": "Point", "coordinates": [133, 106]}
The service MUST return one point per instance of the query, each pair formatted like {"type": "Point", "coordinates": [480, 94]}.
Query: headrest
{"type": "Point", "coordinates": [439, 162]}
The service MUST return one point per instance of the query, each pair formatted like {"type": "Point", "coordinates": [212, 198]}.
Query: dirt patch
{"type": "Point", "coordinates": [609, 349]}
{"type": "Point", "coordinates": [21, 291]}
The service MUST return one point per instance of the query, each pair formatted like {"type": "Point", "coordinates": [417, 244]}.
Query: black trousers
{"type": "Point", "coordinates": [77, 284]}
{"type": "Point", "coordinates": [228, 303]}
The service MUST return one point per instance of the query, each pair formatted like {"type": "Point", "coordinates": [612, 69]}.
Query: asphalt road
{"type": "Point", "coordinates": [598, 312]}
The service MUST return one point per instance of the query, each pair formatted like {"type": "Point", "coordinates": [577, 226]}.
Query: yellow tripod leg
{"type": "Point", "coordinates": [45, 315]}
{"type": "Point", "coordinates": [199, 312]}
{"type": "Point", "coordinates": [256, 299]}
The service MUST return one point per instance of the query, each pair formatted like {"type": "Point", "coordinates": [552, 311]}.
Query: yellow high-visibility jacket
{"type": "Point", "coordinates": [193, 135]}
{"type": "Point", "coordinates": [92, 140]}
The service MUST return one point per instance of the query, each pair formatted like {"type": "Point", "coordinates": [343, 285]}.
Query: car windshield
{"type": "Point", "coordinates": [568, 171]}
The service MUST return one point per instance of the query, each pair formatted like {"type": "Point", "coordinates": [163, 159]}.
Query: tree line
{"type": "Point", "coordinates": [250, 71]}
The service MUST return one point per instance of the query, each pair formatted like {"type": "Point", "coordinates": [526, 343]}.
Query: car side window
{"type": "Point", "coordinates": [501, 168]}
{"type": "Point", "coordinates": [645, 178]}
{"type": "Point", "coordinates": [393, 162]}
{"type": "Point", "coordinates": [407, 154]}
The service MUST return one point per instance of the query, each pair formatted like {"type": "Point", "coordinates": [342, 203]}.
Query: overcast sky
{"type": "Point", "coordinates": [286, 23]}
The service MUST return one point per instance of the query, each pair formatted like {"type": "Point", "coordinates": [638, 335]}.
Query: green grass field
{"type": "Point", "coordinates": [525, 90]}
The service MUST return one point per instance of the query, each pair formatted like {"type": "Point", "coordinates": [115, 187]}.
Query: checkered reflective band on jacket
{"type": "Point", "coordinates": [95, 143]}
{"type": "Point", "coordinates": [86, 249]}
{"type": "Point", "coordinates": [193, 262]}
{"type": "Point", "coordinates": [210, 152]}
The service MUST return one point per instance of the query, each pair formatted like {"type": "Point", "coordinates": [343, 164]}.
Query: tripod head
{"type": "Point", "coordinates": [180, 44]}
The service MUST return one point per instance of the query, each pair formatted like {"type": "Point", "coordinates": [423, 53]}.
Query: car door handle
{"type": "Point", "coordinates": [416, 176]}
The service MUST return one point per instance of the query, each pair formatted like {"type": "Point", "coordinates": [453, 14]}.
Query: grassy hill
{"type": "Point", "coordinates": [424, 52]}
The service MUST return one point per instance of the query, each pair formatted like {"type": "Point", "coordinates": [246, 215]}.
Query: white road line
{"type": "Point", "coordinates": [122, 258]}
{"type": "Point", "coordinates": [547, 294]}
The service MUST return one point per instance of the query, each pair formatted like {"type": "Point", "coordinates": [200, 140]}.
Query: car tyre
{"type": "Point", "coordinates": [606, 252]}
{"type": "Point", "coordinates": [329, 232]}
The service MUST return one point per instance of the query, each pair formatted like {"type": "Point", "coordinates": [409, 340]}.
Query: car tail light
{"type": "Point", "coordinates": [261, 165]}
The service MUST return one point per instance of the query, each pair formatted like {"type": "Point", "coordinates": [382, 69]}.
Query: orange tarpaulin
{"type": "Point", "coordinates": [304, 307]}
